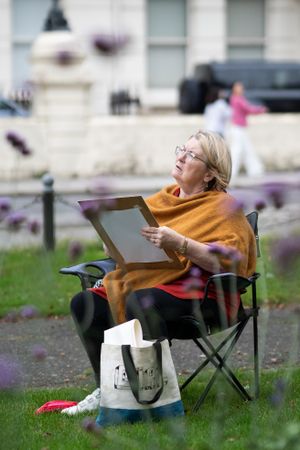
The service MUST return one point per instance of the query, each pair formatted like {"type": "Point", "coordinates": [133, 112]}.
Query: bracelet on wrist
{"type": "Point", "coordinates": [183, 248]}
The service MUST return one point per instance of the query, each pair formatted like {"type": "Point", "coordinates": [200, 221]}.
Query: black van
{"type": "Point", "coordinates": [273, 84]}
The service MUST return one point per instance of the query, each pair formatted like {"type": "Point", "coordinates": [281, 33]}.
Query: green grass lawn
{"type": "Point", "coordinates": [224, 422]}
{"type": "Point", "coordinates": [31, 276]}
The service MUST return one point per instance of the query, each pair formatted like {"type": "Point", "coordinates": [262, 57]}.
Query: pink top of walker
{"type": "Point", "coordinates": [241, 108]}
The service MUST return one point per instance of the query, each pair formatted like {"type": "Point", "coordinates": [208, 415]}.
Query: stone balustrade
{"type": "Point", "coordinates": [141, 144]}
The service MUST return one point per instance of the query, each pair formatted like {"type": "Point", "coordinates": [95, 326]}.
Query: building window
{"type": "Point", "coordinates": [166, 42]}
{"type": "Point", "coordinates": [28, 18]}
{"type": "Point", "coordinates": [245, 29]}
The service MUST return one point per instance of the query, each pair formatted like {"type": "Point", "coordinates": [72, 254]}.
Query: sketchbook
{"type": "Point", "coordinates": [118, 222]}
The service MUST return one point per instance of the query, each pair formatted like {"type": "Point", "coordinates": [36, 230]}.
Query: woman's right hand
{"type": "Point", "coordinates": [163, 237]}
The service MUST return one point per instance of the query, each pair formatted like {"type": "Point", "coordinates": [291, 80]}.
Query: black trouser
{"type": "Point", "coordinates": [153, 307]}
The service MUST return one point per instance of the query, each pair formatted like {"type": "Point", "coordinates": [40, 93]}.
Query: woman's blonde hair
{"type": "Point", "coordinates": [218, 159]}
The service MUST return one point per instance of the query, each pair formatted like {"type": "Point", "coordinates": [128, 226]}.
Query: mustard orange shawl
{"type": "Point", "coordinates": [207, 217]}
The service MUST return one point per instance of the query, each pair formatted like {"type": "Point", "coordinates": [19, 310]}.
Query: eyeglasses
{"type": "Point", "coordinates": [191, 156]}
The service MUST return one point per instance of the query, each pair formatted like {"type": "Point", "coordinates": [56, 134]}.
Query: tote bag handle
{"type": "Point", "coordinates": [132, 374]}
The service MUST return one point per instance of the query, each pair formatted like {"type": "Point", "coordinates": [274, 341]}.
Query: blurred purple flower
{"type": "Point", "coordinates": [217, 249]}
{"type": "Point", "coordinates": [91, 207]}
{"type": "Point", "coordinates": [18, 143]}
{"type": "Point", "coordinates": [277, 397]}
{"type": "Point", "coordinates": [239, 204]}
{"type": "Point", "coordinates": [235, 255]}
{"type": "Point", "coordinates": [14, 139]}
{"type": "Point", "coordinates": [5, 204]}
{"type": "Point", "coordinates": [101, 186]}
{"type": "Point", "coordinates": [193, 282]}
{"type": "Point", "coordinates": [25, 151]}
{"type": "Point", "coordinates": [75, 250]}
{"type": "Point", "coordinates": [10, 373]}
{"type": "Point", "coordinates": [34, 226]}
{"type": "Point", "coordinates": [107, 203]}
{"type": "Point", "coordinates": [39, 352]}
{"type": "Point", "coordinates": [109, 44]}
{"type": "Point", "coordinates": [89, 424]}
{"type": "Point", "coordinates": [195, 272]}
{"type": "Point", "coordinates": [14, 220]}
{"type": "Point", "coordinates": [260, 204]}
{"type": "Point", "coordinates": [29, 312]}
{"type": "Point", "coordinates": [276, 193]}
{"type": "Point", "coordinates": [147, 301]}
{"type": "Point", "coordinates": [285, 252]}
{"type": "Point", "coordinates": [64, 57]}
{"type": "Point", "coordinates": [233, 205]}
{"type": "Point", "coordinates": [226, 252]}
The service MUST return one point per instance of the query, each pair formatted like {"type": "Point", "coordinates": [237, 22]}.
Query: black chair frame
{"type": "Point", "coordinates": [213, 353]}
{"type": "Point", "coordinates": [190, 328]}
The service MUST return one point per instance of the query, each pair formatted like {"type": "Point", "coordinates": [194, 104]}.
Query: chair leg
{"type": "Point", "coordinates": [255, 342]}
{"type": "Point", "coordinates": [213, 356]}
{"type": "Point", "coordinates": [221, 365]}
{"type": "Point", "coordinates": [195, 373]}
{"type": "Point", "coordinates": [209, 357]}
{"type": "Point", "coordinates": [256, 359]}
{"type": "Point", "coordinates": [205, 392]}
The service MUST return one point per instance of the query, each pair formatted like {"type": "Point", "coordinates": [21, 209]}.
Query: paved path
{"type": "Point", "coordinates": [131, 183]}
{"type": "Point", "coordinates": [67, 364]}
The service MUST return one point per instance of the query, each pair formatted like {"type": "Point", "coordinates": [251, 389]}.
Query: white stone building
{"type": "Point", "coordinates": [70, 129]}
{"type": "Point", "coordinates": [167, 38]}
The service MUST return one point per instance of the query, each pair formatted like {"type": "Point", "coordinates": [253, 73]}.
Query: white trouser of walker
{"type": "Point", "coordinates": [243, 154]}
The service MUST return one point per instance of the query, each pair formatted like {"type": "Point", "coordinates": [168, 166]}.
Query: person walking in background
{"type": "Point", "coordinates": [217, 112]}
{"type": "Point", "coordinates": [242, 152]}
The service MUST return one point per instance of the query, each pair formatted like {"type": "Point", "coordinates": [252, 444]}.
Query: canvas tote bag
{"type": "Point", "coordinates": [138, 377]}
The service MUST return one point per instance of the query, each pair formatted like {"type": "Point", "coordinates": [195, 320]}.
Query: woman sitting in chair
{"type": "Point", "coordinates": [202, 223]}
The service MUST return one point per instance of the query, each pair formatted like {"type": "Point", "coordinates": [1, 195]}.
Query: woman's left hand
{"type": "Point", "coordinates": [163, 237]}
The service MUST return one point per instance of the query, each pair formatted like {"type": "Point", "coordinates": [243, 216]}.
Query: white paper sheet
{"type": "Point", "coordinates": [123, 228]}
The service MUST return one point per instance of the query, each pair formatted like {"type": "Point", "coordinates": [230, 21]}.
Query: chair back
{"type": "Point", "coordinates": [253, 220]}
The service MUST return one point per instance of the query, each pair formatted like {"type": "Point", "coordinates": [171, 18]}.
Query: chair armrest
{"type": "Point", "coordinates": [231, 282]}
{"type": "Point", "coordinates": [90, 272]}
{"type": "Point", "coordinates": [228, 281]}
{"type": "Point", "coordinates": [254, 277]}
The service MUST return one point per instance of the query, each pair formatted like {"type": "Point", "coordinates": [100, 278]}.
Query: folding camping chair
{"type": "Point", "coordinates": [190, 328]}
